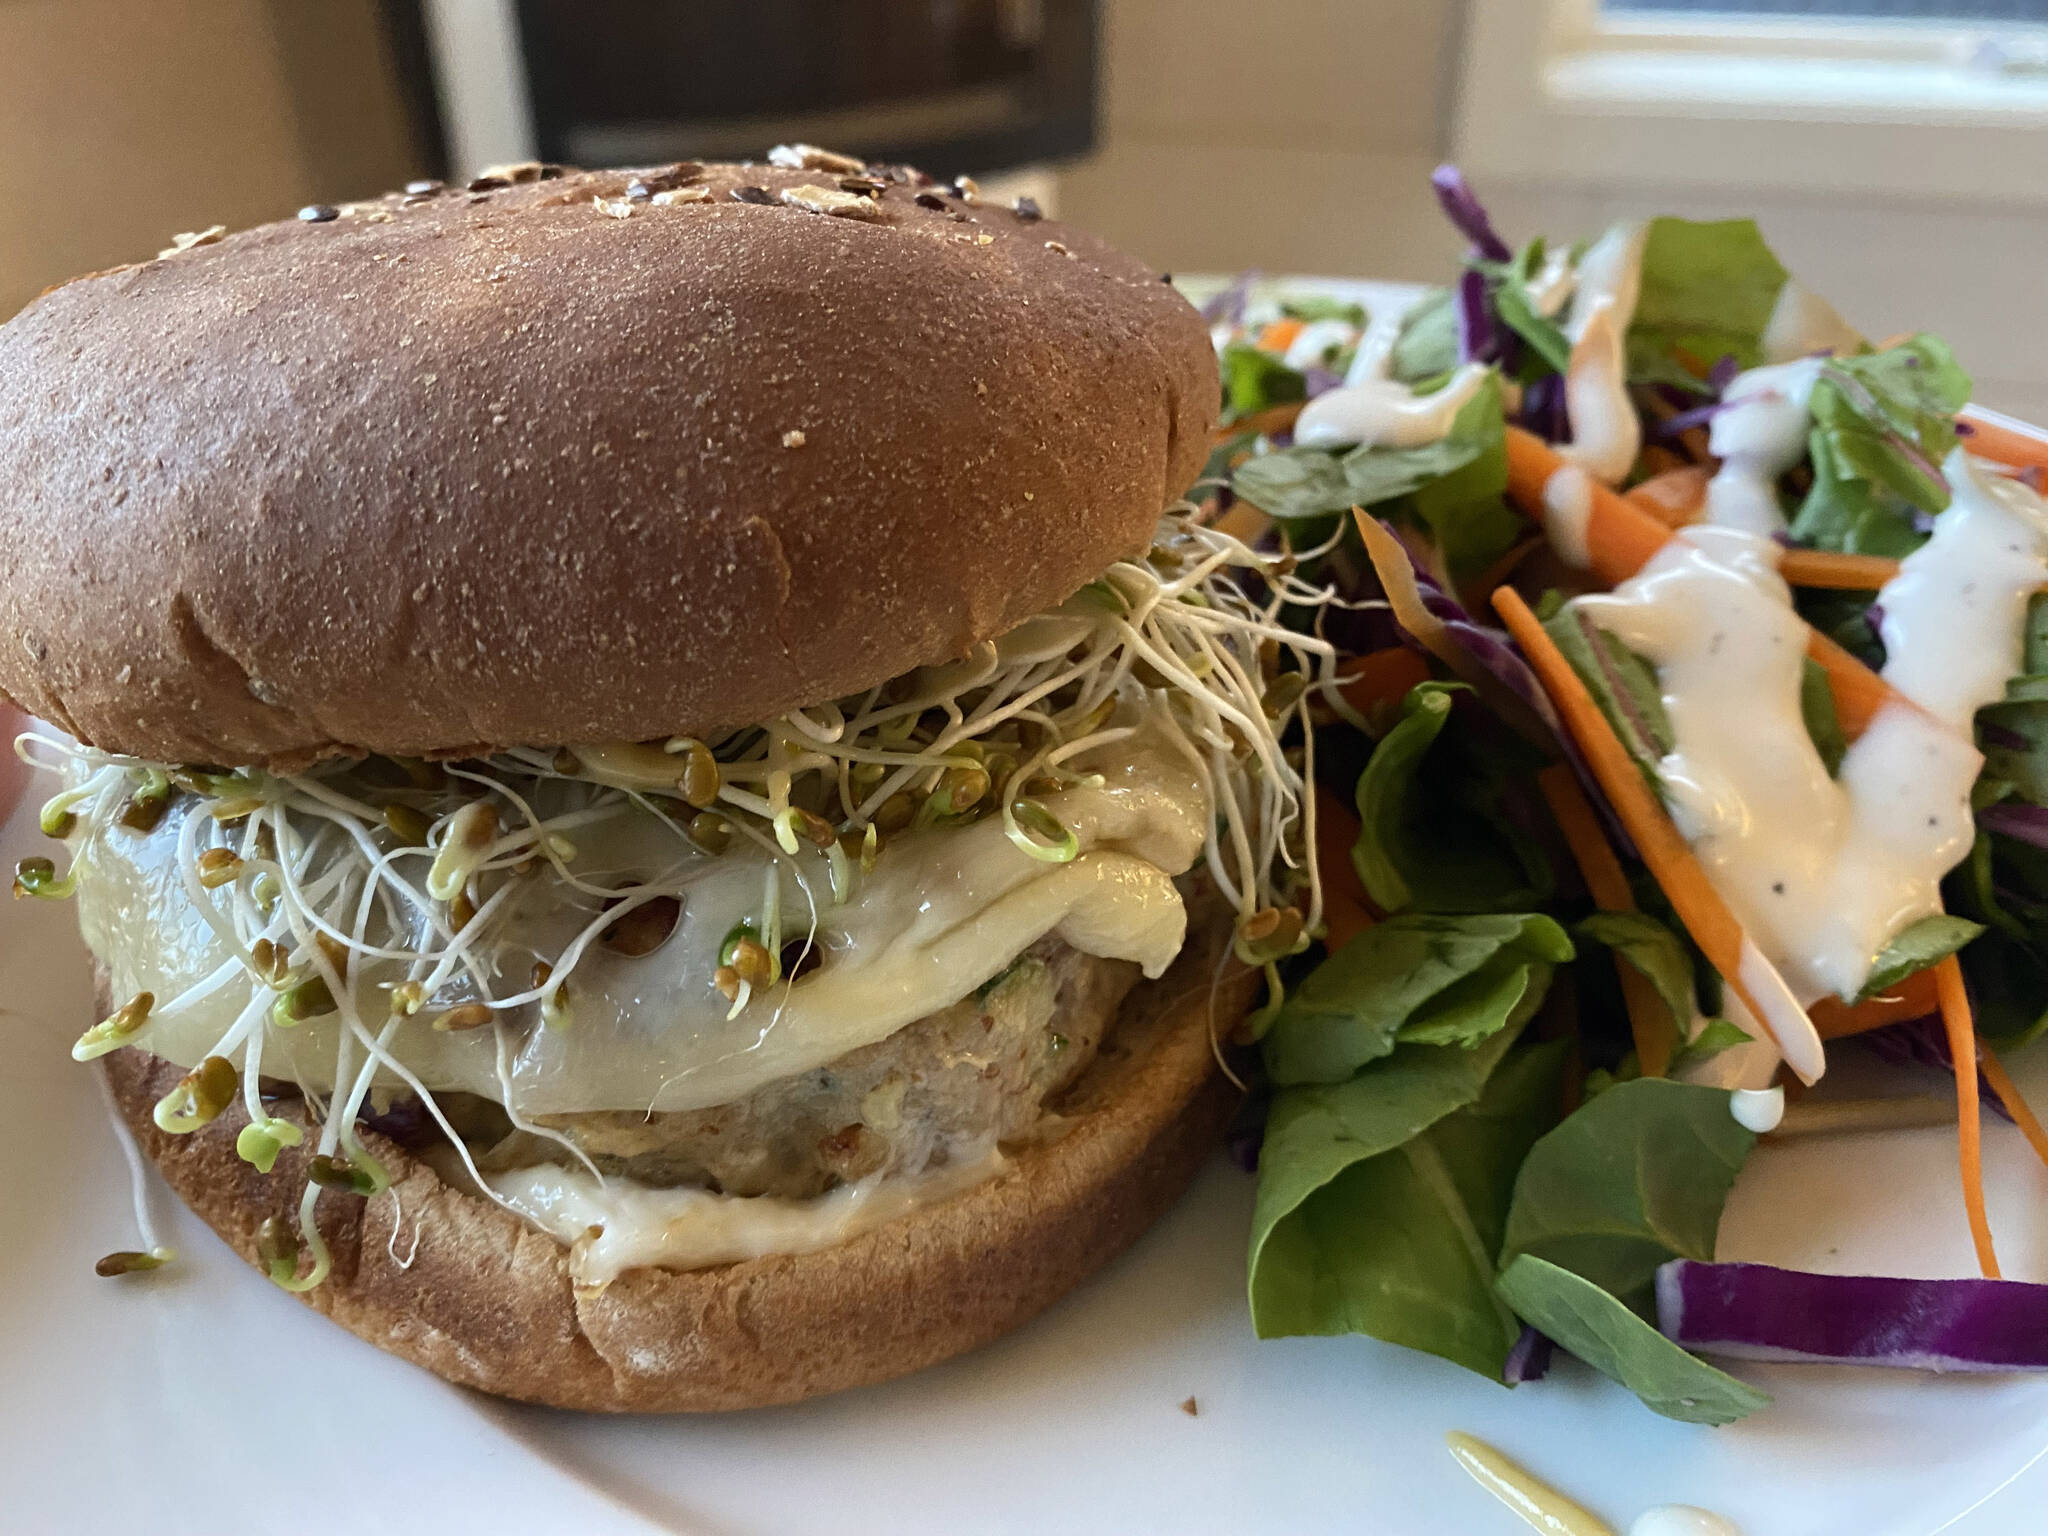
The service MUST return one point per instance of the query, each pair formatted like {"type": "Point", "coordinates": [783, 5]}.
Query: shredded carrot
{"type": "Point", "coordinates": [2016, 444]}
{"type": "Point", "coordinates": [2002, 1084]}
{"type": "Point", "coordinates": [1699, 906]}
{"type": "Point", "coordinates": [1649, 1020]}
{"type": "Point", "coordinates": [1278, 335]}
{"type": "Point", "coordinates": [1838, 572]}
{"type": "Point", "coordinates": [1380, 678]}
{"type": "Point", "coordinates": [1675, 497]}
{"type": "Point", "coordinates": [1347, 910]}
{"type": "Point", "coordinates": [1277, 418]}
{"type": "Point", "coordinates": [1622, 535]}
{"type": "Point", "coordinates": [1913, 998]}
{"type": "Point", "coordinates": [1962, 1049]}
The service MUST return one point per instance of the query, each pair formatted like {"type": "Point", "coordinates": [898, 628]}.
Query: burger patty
{"type": "Point", "coordinates": [979, 1070]}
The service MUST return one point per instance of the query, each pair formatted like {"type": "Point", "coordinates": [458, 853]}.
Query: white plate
{"type": "Point", "coordinates": [200, 1399]}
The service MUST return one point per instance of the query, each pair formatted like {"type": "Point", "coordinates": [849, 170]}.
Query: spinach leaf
{"type": "Point", "coordinates": [1428, 344]}
{"type": "Point", "coordinates": [1633, 1178]}
{"type": "Point", "coordinates": [1409, 973]}
{"type": "Point", "coordinates": [1511, 302]}
{"type": "Point", "coordinates": [1311, 307]}
{"type": "Point", "coordinates": [2002, 885]}
{"type": "Point", "coordinates": [1889, 417]}
{"type": "Point", "coordinates": [1622, 683]}
{"type": "Point", "coordinates": [1823, 723]}
{"type": "Point", "coordinates": [1454, 487]}
{"type": "Point", "coordinates": [1708, 290]}
{"type": "Point", "coordinates": [1431, 834]}
{"type": "Point", "coordinates": [1844, 617]}
{"type": "Point", "coordinates": [1465, 509]}
{"type": "Point", "coordinates": [1915, 948]}
{"type": "Point", "coordinates": [1712, 1038]}
{"type": "Point", "coordinates": [1293, 484]}
{"type": "Point", "coordinates": [1380, 1202]}
{"type": "Point", "coordinates": [1845, 513]}
{"type": "Point", "coordinates": [1620, 1345]}
{"type": "Point", "coordinates": [1651, 948]}
{"type": "Point", "coordinates": [1254, 380]}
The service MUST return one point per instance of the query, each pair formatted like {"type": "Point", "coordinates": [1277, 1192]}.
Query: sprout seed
{"type": "Point", "coordinates": [116, 1030]}
{"type": "Point", "coordinates": [465, 1016]}
{"type": "Point", "coordinates": [198, 1098]}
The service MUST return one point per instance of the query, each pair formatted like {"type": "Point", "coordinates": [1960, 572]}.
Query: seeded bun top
{"type": "Point", "coordinates": [571, 456]}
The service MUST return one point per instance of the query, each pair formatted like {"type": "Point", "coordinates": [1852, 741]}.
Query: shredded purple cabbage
{"type": "Point", "coordinates": [1923, 1042]}
{"type": "Point", "coordinates": [1544, 411]}
{"type": "Point", "coordinates": [1723, 373]}
{"type": "Point", "coordinates": [1319, 380]}
{"type": "Point", "coordinates": [1478, 337]}
{"type": "Point", "coordinates": [1529, 1358]}
{"type": "Point", "coordinates": [1462, 207]}
{"type": "Point", "coordinates": [1227, 307]}
{"type": "Point", "coordinates": [1994, 735]}
{"type": "Point", "coordinates": [1685, 421]}
{"type": "Point", "coordinates": [2021, 822]}
{"type": "Point", "coordinates": [1759, 1312]}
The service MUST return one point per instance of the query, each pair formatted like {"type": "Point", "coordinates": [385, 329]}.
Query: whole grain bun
{"type": "Point", "coordinates": [487, 1301]}
{"type": "Point", "coordinates": [565, 459]}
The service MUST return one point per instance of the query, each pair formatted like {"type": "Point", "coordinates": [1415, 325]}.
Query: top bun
{"type": "Point", "coordinates": [570, 456]}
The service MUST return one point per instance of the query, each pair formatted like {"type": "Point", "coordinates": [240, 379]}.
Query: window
{"type": "Point", "coordinates": [1866, 10]}
{"type": "Point", "coordinates": [1931, 99]}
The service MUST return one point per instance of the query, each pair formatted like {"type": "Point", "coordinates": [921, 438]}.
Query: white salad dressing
{"type": "Point", "coordinates": [1759, 434]}
{"type": "Point", "coordinates": [1955, 615]}
{"type": "Point", "coordinates": [1315, 342]}
{"type": "Point", "coordinates": [1820, 872]}
{"type": "Point", "coordinates": [1758, 1109]}
{"type": "Point", "coordinates": [617, 1225]}
{"type": "Point", "coordinates": [1606, 432]}
{"type": "Point", "coordinates": [1551, 288]}
{"type": "Point", "coordinates": [1385, 413]}
{"type": "Point", "coordinates": [1568, 515]}
{"type": "Point", "coordinates": [1803, 323]}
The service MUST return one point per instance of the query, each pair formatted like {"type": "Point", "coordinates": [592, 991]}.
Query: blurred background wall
{"type": "Point", "coordinates": [1296, 135]}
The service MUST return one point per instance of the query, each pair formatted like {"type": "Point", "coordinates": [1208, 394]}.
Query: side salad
{"type": "Point", "coordinates": [1693, 731]}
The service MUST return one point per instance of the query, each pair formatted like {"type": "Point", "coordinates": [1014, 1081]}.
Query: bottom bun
{"type": "Point", "coordinates": [487, 1302]}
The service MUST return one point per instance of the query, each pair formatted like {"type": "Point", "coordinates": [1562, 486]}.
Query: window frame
{"type": "Point", "coordinates": [1554, 92]}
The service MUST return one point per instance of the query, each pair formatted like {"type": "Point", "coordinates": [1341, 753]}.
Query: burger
{"type": "Point", "coordinates": [669, 808]}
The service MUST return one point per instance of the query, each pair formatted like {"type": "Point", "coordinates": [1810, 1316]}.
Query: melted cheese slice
{"type": "Point", "coordinates": [942, 912]}
{"type": "Point", "coordinates": [616, 1225]}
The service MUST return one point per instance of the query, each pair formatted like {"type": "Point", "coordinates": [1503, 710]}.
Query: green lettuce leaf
{"type": "Point", "coordinates": [1431, 833]}
{"type": "Point", "coordinates": [1506, 286]}
{"type": "Point", "coordinates": [1708, 290]}
{"type": "Point", "coordinates": [1823, 721]}
{"type": "Point", "coordinates": [1453, 487]}
{"type": "Point", "coordinates": [1651, 948]}
{"type": "Point", "coordinates": [1712, 1038]}
{"type": "Point", "coordinates": [1844, 617]}
{"type": "Point", "coordinates": [1254, 380]}
{"type": "Point", "coordinates": [1311, 307]}
{"type": "Point", "coordinates": [1915, 948]}
{"type": "Point", "coordinates": [1621, 1346]}
{"type": "Point", "coordinates": [1882, 424]}
{"type": "Point", "coordinates": [1427, 347]}
{"type": "Point", "coordinates": [1381, 1200]}
{"type": "Point", "coordinates": [1636, 1176]}
{"type": "Point", "coordinates": [1622, 683]}
{"type": "Point", "coordinates": [1431, 980]}
{"type": "Point", "coordinates": [2004, 885]}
